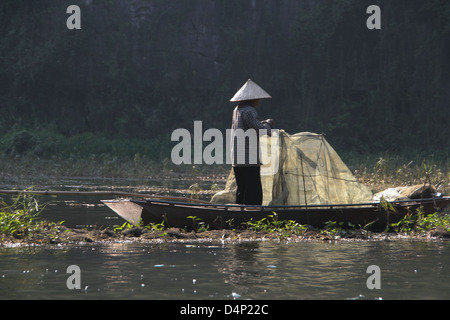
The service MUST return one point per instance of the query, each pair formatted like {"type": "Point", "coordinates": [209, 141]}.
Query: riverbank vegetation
{"type": "Point", "coordinates": [47, 153]}
{"type": "Point", "coordinates": [20, 220]}
{"type": "Point", "coordinates": [20, 223]}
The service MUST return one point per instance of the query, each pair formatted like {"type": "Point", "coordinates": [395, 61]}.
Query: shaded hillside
{"type": "Point", "coordinates": [141, 68]}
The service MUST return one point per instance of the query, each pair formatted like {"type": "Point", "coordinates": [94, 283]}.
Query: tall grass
{"type": "Point", "coordinates": [380, 172]}
{"type": "Point", "coordinates": [410, 174]}
{"type": "Point", "coordinates": [44, 152]}
{"type": "Point", "coordinates": [20, 219]}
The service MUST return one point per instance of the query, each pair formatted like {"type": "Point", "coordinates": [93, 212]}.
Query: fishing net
{"type": "Point", "coordinates": [301, 169]}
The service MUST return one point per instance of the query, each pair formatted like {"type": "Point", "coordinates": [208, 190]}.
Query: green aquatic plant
{"type": "Point", "coordinates": [419, 222]}
{"type": "Point", "coordinates": [338, 230]}
{"type": "Point", "coordinates": [119, 228]}
{"type": "Point", "coordinates": [151, 226]}
{"type": "Point", "coordinates": [20, 219]}
{"type": "Point", "coordinates": [230, 224]}
{"type": "Point", "coordinates": [433, 221]}
{"type": "Point", "coordinates": [406, 225]}
{"type": "Point", "coordinates": [156, 226]}
{"type": "Point", "coordinates": [271, 224]}
{"type": "Point", "coordinates": [195, 190]}
{"type": "Point", "coordinates": [198, 225]}
{"type": "Point", "coordinates": [333, 229]}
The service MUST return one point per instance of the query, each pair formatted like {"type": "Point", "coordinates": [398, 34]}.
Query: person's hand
{"type": "Point", "coordinates": [270, 122]}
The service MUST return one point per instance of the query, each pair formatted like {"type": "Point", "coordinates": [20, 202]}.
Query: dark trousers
{"type": "Point", "coordinates": [249, 189]}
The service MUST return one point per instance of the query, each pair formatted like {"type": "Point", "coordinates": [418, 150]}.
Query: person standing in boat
{"type": "Point", "coordinates": [245, 151]}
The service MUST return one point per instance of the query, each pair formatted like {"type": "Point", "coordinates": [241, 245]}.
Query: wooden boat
{"type": "Point", "coordinates": [218, 216]}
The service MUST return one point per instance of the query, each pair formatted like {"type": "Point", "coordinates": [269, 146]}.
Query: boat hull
{"type": "Point", "coordinates": [131, 212]}
{"type": "Point", "coordinates": [176, 214]}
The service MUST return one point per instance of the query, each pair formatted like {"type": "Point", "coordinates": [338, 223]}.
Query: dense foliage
{"type": "Point", "coordinates": [139, 69]}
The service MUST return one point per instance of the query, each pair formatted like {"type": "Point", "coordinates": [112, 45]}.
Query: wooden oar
{"type": "Point", "coordinates": [102, 193]}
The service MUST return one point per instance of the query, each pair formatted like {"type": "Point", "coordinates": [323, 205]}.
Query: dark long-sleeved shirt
{"type": "Point", "coordinates": [246, 129]}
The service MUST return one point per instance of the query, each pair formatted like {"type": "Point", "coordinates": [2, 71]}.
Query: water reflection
{"type": "Point", "coordinates": [292, 272]}
{"type": "Point", "coordinates": [240, 267]}
{"type": "Point", "coordinates": [338, 270]}
{"type": "Point", "coordinates": [249, 270]}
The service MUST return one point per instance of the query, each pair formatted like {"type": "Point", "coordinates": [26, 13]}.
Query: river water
{"type": "Point", "coordinates": [219, 271]}
{"type": "Point", "coordinates": [210, 271]}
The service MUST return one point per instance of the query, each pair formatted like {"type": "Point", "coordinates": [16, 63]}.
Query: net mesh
{"type": "Point", "coordinates": [305, 170]}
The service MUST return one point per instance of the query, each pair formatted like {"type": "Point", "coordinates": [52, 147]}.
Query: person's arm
{"type": "Point", "coordinates": [251, 120]}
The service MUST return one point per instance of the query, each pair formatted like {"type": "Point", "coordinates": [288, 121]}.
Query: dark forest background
{"type": "Point", "coordinates": [138, 69]}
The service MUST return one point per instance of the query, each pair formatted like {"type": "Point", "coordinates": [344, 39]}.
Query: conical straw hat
{"type": "Point", "coordinates": [250, 91]}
